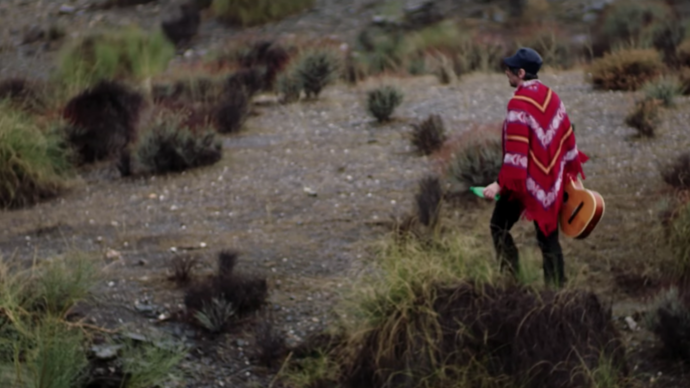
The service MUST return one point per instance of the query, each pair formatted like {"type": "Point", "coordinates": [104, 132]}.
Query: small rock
{"type": "Point", "coordinates": [135, 336]}
{"type": "Point", "coordinates": [310, 192]}
{"type": "Point", "coordinates": [142, 262]}
{"type": "Point", "coordinates": [112, 254]}
{"type": "Point", "coordinates": [67, 9]}
{"type": "Point", "coordinates": [241, 343]}
{"type": "Point", "coordinates": [632, 325]}
{"type": "Point", "coordinates": [105, 352]}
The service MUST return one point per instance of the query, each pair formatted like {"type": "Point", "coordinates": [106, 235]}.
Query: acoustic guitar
{"type": "Point", "coordinates": [581, 211]}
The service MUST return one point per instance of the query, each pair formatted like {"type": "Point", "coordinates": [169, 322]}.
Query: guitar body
{"type": "Point", "coordinates": [581, 210]}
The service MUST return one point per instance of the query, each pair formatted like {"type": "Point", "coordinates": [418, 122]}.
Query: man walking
{"type": "Point", "coordinates": [539, 154]}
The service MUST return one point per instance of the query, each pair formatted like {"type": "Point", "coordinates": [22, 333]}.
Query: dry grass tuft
{"type": "Point", "coordinates": [645, 117]}
{"type": "Point", "coordinates": [625, 69]}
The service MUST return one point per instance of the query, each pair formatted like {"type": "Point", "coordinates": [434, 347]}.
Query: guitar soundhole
{"type": "Point", "coordinates": [565, 197]}
{"type": "Point", "coordinates": [577, 210]}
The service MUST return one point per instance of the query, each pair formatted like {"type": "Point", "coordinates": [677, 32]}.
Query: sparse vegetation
{"type": "Point", "coordinates": [645, 117]}
{"type": "Point", "coordinates": [664, 89]}
{"type": "Point", "coordinates": [436, 315]}
{"type": "Point", "coordinates": [289, 87]}
{"type": "Point", "coordinates": [382, 102]}
{"type": "Point", "coordinates": [626, 69]}
{"type": "Point", "coordinates": [128, 54]}
{"type": "Point", "coordinates": [183, 268]}
{"type": "Point", "coordinates": [429, 135]}
{"type": "Point", "coordinates": [232, 111]}
{"type": "Point", "coordinates": [677, 173]}
{"type": "Point", "coordinates": [40, 348]}
{"type": "Point", "coordinates": [34, 164]}
{"type": "Point", "coordinates": [679, 230]}
{"type": "Point", "coordinates": [428, 200]}
{"type": "Point", "coordinates": [171, 147]}
{"type": "Point", "coordinates": [629, 24]}
{"type": "Point", "coordinates": [477, 161]}
{"type": "Point", "coordinates": [669, 319]}
{"type": "Point", "coordinates": [228, 294]}
{"type": "Point", "coordinates": [269, 341]}
{"type": "Point", "coordinates": [248, 13]}
{"type": "Point", "coordinates": [316, 69]}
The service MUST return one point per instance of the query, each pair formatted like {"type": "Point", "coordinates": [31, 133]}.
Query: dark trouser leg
{"type": "Point", "coordinates": [506, 214]}
{"type": "Point", "coordinates": [553, 257]}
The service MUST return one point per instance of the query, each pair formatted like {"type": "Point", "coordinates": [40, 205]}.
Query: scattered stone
{"type": "Point", "coordinates": [310, 192]}
{"type": "Point", "coordinates": [112, 254]}
{"type": "Point", "coordinates": [632, 325]}
{"type": "Point", "coordinates": [105, 352]}
{"type": "Point", "coordinates": [135, 336]}
{"type": "Point", "coordinates": [67, 9]}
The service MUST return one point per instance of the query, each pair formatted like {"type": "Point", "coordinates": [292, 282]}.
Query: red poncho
{"type": "Point", "coordinates": [539, 151]}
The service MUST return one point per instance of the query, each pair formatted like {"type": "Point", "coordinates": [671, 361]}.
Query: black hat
{"type": "Point", "coordinates": [525, 58]}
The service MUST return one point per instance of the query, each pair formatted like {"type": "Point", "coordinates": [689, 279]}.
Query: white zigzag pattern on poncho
{"type": "Point", "coordinates": [544, 136]}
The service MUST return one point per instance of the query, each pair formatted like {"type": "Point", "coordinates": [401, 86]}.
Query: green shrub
{"type": "Point", "coordinates": [664, 89]}
{"type": "Point", "coordinates": [429, 135]}
{"type": "Point", "coordinates": [253, 12]}
{"type": "Point", "coordinates": [57, 358]}
{"type": "Point", "coordinates": [381, 102]}
{"type": "Point", "coordinates": [477, 162]}
{"type": "Point", "coordinates": [150, 365]}
{"type": "Point", "coordinates": [171, 147]}
{"type": "Point", "coordinates": [625, 69]}
{"type": "Point", "coordinates": [34, 164]}
{"type": "Point", "coordinates": [316, 69]}
{"type": "Point", "coordinates": [64, 282]}
{"type": "Point", "coordinates": [130, 53]}
{"type": "Point", "coordinates": [289, 87]}
{"type": "Point", "coordinates": [644, 117]}
{"type": "Point", "coordinates": [629, 23]}
{"type": "Point", "coordinates": [379, 48]}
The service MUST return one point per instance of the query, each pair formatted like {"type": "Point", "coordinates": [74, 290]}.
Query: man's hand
{"type": "Point", "coordinates": [492, 190]}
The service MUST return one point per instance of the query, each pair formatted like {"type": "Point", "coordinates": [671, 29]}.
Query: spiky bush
{"type": "Point", "coordinates": [34, 163]}
{"type": "Point", "coordinates": [645, 117]}
{"type": "Point", "coordinates": [382, 102]}
{"type": "Point", "coordinates": [232, 111]}
{"type": "Point", "coordinates": [664, 89]}
{"type": "Point", "coordinates": [228, 290]}
{"type": "Point", "coordinates": [669, 319]}
{"type": "Point", "coordinates": [130, 53]}
{"type": "Point", "coordinates": [215, 315]}
{"type": "Point", "coordinates": [289, 87]}
{"type": "Point", "coordinates": [666, 37]}
{"type": "Point", "coordinates": [269, 341]}
{"type": "Point", "coordinates": [183, 29]}
{"type": "Point", "coordinates": [102, 120]}
{"type": "Point", "coordinates": [267, 55]}
{"type": "Point", "coordinates": [625, 69]}
{"type": "Point", "coordinates": [428, 199]}
{"type": "Point", "coordinates": [249, 81]}
{"type": "Point", "coordinates": [171, 147]}
{"type": "Point", "coordinates": [253, 12]}
{"type": "Point", "coordinates": [316, 69]}
{"type": "Point", "coordinates": [429, 135]}
{"type": "Point", "coordinates": [677, 173]}
{"type": "Point", "coordinates": [476, 162]}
